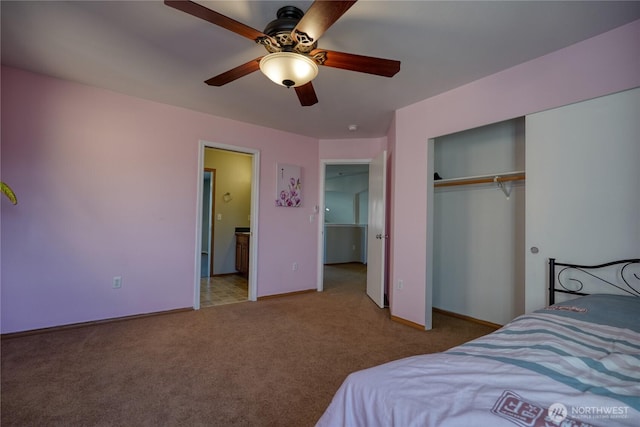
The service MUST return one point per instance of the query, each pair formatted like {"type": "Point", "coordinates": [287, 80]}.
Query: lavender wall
{"type": "Point", "coordinates": [357, 148]}
{"type": "Point", "coordinates": [604, 64]}
{"type": "Point", "coordinates": [107, 187]}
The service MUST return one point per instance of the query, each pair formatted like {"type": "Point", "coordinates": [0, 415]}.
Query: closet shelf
{"type": "Point", "coordinates": [481, 179]}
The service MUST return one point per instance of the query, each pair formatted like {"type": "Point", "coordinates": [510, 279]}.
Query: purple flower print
{"type": "Point", "coordinates": [292, 197]}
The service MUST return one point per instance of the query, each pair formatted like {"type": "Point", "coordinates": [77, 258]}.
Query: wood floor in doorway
{"type": "Point", "coordinates": [220, 290]}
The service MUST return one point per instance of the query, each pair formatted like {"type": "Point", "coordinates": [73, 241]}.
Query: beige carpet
{"type": "Point", "coordinates": [276, 362]}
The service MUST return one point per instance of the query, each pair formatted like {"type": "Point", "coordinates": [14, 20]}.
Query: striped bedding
{"type": "Point", "coordinates": [591, 358]}
{"type": "Point", "coordinates": [573, 364]}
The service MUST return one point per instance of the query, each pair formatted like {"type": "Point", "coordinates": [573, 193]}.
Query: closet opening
{"type": "Point", "coordinates": [478, 229]}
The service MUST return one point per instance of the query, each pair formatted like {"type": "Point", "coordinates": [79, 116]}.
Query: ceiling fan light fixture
{"type": "Point", "coordinates": [289, 69]}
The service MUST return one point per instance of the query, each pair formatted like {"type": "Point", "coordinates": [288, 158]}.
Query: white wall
{"type": "Point", "coordinates": [362, 207]}
{"type": "Point", "coordinates": [339, 207]}
{"type": "Point", "coordinates": [488, 149]}
{"type": "Point", "coordinates": [344, 243]}
{"type": "Point", "coordinates": [478, 262]}
{"type": "Point", "coordinates": [343, 197]}
{"type": "Point", "coordinates": [583, 186]}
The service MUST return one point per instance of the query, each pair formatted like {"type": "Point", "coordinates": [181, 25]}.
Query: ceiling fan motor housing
{"type": "Point", "coordinates": [287, 19]}
{"type": "Point", "coordinates": [281, 29]}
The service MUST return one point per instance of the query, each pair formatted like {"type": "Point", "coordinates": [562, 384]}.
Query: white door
{"type": "Point", "coordinates": [582, 198]}
{"type": "Point", "coordinates": [376, 231]}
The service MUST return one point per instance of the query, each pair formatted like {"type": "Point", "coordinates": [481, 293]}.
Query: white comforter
{"type": "Point", "coordinates": [460, 391]}
{"type": "Point", "coordinates": [530, 374]}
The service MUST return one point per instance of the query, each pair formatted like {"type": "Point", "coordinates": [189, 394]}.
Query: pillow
{"type": "Point", "coordinates": [621, 311]}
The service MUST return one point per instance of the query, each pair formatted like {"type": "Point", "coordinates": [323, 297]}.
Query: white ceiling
{"type": "Point", "coordinates": [149, 50]}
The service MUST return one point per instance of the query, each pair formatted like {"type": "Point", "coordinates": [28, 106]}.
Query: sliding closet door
{"type": "Point", "coordinates": [583, 181]}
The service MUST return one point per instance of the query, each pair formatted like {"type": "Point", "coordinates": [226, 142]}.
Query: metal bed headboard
{"type": "Point", "coordinates": [629, 282]}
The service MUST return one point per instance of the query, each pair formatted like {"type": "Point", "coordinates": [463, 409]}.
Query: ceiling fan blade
{"type": "Point", "coordinates": [215, 18]}
{"type": "Point", "coordinates": [321, 15]}
{"type": "Point", "coordinates": [363, 64]}
{"type": "Point", "coordinates": [306, 95]}
{"type": "Point", "coordinates": [235, 73]}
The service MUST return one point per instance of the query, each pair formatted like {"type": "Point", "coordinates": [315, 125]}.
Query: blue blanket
{"type": "Point", "coordinates": [614, 310]}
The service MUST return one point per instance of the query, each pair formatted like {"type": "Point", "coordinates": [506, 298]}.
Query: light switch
{"type": "Point", "coordinates": [219, 217]}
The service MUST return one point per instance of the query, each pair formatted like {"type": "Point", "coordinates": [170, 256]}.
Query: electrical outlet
{"type": "Point", "coordinates": [117, 282]}
{"type": "Point", "coordinates": [294, 267]}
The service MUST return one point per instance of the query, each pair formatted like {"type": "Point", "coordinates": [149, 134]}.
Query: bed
{"type": "Point", "coordinates": [573, 363]}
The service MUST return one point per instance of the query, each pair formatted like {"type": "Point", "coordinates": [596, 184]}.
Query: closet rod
{"type": "Point", "coordinates": [487, 180]}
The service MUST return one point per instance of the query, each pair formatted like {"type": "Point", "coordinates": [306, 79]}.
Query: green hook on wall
{"type": "Point", "coordinates": [7, 191]}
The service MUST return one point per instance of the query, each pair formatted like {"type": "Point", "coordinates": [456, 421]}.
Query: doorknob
{"type": "Point", "coordinates": [378, 236]}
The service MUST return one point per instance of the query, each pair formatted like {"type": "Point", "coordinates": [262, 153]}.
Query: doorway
{"type": "Point", "coordinates": [344, 222]}
{"type": "Point", "coordinates": [208, 210]}
{"type": "Point", "coordinates": [234, 207]}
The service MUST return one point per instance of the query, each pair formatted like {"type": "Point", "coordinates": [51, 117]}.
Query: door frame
{"type": "Point", "coordinates": [255, 193]}
{"type": "Point", "coordinates": [428, 293]}
{"type": "Point", "coordinates": [211, 217]}
{"type": "Point", "coordinates": [320, 210]}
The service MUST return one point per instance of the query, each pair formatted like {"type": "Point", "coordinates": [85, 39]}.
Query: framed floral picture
{"type": "Point", "coordinates": [289, 187]}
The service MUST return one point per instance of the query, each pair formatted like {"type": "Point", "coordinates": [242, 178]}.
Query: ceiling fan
{"type": "Point", "coordinates": [291, 40]}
